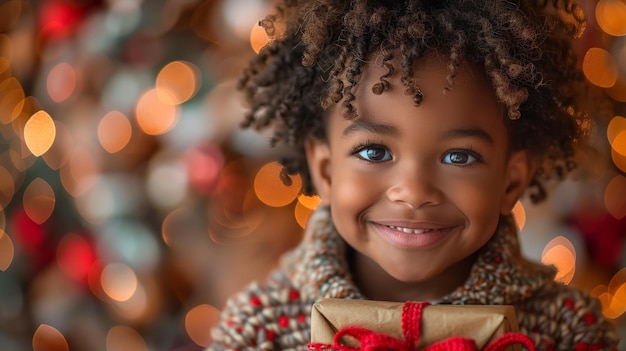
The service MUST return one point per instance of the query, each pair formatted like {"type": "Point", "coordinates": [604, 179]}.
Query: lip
{"type": "Point", "coordinates": [413, 235]}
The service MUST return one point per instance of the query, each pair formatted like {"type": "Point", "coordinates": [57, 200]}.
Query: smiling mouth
{"type": "Point", "coordinates": [415, 235]}
{"type": "Point", "coordinates": [412, 230]}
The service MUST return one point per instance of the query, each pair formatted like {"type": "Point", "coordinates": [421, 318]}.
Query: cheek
{"type": "Point", "coordinates": [350, 190]}
{"type": "Point", "coordinates": [480, 200]}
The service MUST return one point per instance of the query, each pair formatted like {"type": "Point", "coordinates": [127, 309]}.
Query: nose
{"type": "Point", "coordinates": [415, 188]}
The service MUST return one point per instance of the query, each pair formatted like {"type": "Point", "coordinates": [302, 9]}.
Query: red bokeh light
{"type": "Point", "coordinates": [59, 19]}
{"type": "Point", "coordinates": [76, 256]}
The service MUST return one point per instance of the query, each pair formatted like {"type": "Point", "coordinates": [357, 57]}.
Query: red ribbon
{"type": "Point", "coordinates": [411, 318]}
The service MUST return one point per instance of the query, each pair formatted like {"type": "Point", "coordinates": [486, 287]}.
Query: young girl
{"type": "Point", "coordinates": [419, 124]}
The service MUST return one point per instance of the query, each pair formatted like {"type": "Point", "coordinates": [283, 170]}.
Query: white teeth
{"type": "Point", "coordinates": [409, 230]}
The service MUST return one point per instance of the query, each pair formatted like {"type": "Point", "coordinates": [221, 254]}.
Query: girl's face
{"type": "Point", "coordinates": [418, 190]}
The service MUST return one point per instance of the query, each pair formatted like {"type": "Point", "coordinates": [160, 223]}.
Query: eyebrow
{"type": "Point", "coordinates": [369, 126]}
{"type": "Point", "coordinates": [469, 132]}
{"type": "Point", "coordinates": [385, 129]}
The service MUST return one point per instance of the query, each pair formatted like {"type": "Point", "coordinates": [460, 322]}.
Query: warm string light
{"type": "Point", "coordinates": [114, 131]}
{"type": "Point", "coordinates": [48, 338]}
{"type": "Point", "coordinates": [615, 197]}
{"type": "Point", "coordinates": [271, 189]}
{"type": "Point", "coordinates": [39, 133]}
{"type": "Point", "coordinates": [177, 82]}
{"type": "Point", "coordinates": [600, 68]}
{"type": "Point", "coordinates": [198, 323]}
{"type": "Point", "coordinates": [612, 296]}
{"type": "Point", "coordinates": [39, 200]}
{"type": "Point", "coordinates": [560, 253]}
{"type": "Point", "coordinates": [611, 17]}
{"type": "Point", "coordinates": [7, 251]}
{"type": "Point", "coordinates": [61, 82]}
{"type": "Point", "coordinates": [519, 213]}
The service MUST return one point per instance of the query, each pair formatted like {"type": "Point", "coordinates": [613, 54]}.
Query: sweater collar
{"type": "Point", "coordinates": [500, 275]}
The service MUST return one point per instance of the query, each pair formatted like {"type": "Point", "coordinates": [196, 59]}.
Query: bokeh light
{"type": "Point", "coordinates": [39, 200]}
{"type": "Point", "coordinates": [61, 150]}
{"type": "Point", "coordinates": [619, 143]}
{"type": "Point", "coordinates": [136, 307]}
{"type": "Point", "coordinates": [177, 82]}
{"type": "Point", "coordinates": [258, 38]}
{"type": "Point", "coordinates": [29, 235]}
{"type": "Point", "coordinates": [619, 160]}
{"type": "Point", "coordinates": [61, 82]}
{"type": "Point", "coordinates": [3, 220]}
{"type": "Point", "coordinates": [167, 182]}
{"type": "Point", "coordinates": [80, 173]}
{"type": "Point", "coordinates": [616, 286]}
{"type": "Point", "coordinates": [114, 131]}
{"type": "Point", "coordinates": [204, 165]}
{"type": "Point", "coordinates": [611, 17]}
{"type": "Point", "coordinates": [271, 189]}
{"type": "Point", "coordinates": [58, 20]}
{"type": "Point", "coordinates": [311, 202]}
{"type": "Point", "coordinates": [48, 338]}
{"type": "Point", "coordinates": [75, 256]}
{"type": "Point", "coordinates": [95, 284]}
{"type": "Point", "coordinates": [237, 15]}
{"type": "Point", "coordinates": [11, 99]}
{"type": "Point", "coordinates": [154, 116]}
{"type": "Point", "coordinates": [169, 224]}
{"type": "Point", "coordinates": [618, 302]}
{"type": "Point", "coordinates": [7, 186]}
{"type": "Point", "coordinates": [7, 251]}
{"type": "Point", "coordinates": [302, 214]}
{"type": "Point", "coordinates": [599, 67]}
{"type": "Point", "coordinates": [304, 208]}
{"type": "Point", "coordinates": [519, 213]}
{"type": "Point", "coordinates": [39, 133]}
{"type": "Point", "coordinates": [618, 91]}
{"type": "Point", "coordinates": [198, 322]}
{"type": "Point", "coordinates": [613, 296]}
{"type": "Point", "coordinates": [560, 253]}
{"type": "Point", "coordinates": [615, 127]}
{"type": "Point", "coordinates": [615, 197]}
{"type": "Point", "coordinates": [119, 281]}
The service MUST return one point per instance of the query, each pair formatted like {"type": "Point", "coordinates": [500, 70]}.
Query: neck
{"type": "Point", "coordinates": [376, 284]}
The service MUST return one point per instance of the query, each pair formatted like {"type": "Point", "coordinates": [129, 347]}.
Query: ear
{"type": "Point", "coordinates": [318, 159]}
{"type": "Point", "coordinates": [520, 170]}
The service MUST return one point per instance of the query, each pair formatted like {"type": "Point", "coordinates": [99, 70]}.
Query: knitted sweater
{"type": "Point", "coordinates": [275, 315]}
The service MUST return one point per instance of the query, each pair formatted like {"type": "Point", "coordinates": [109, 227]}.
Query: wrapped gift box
{"type": "Point", "coordinates": [483, 324]}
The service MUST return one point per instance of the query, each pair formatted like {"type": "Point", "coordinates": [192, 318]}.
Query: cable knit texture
{"type": "Point", "coordinates": [275, 315]}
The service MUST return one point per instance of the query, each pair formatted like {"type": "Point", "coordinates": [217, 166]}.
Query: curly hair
{"type": "Point", "coordinates": [318, 49]}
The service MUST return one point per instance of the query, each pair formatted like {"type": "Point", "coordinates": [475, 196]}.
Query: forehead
{"type": "Point", "coordinates": [439, 80]}
{"type": "Point", "coordinates": [470, 101]}
{"type": "Point", "coordinates": [433, 72]}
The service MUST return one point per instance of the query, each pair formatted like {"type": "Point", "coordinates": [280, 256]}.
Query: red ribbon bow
{"type": "Point", "coordinates": [411, 318]}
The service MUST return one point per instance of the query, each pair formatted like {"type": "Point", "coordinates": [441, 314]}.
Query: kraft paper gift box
{"type": "Point", "coordinates": [482, 323]}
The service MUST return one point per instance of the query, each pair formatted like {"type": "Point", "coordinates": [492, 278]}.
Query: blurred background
{"type": "Point", "coordinates": [132, 205]}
